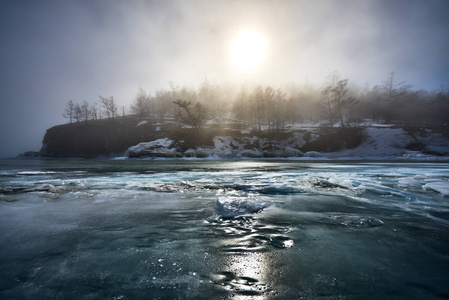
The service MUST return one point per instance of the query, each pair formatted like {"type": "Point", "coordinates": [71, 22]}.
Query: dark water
{"type": "Point", "coordinates": [101, 229]}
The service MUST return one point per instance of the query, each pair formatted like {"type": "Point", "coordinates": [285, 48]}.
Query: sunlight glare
{"type": "Point", "coordinates": [248, 50]}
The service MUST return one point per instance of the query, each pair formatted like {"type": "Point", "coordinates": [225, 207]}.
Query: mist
{"type": "Point", "coordinates": [56, 51]}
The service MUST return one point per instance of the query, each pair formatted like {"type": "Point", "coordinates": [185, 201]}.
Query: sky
{"type": "Point", "coordinates": [53, 51]}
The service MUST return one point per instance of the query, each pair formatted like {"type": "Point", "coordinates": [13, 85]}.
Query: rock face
{"type": "Point", "coordinates": [149, 138]}
{"type": "Point", "coordinates": [224, 147]}
{"type": "Point", "coordinates": [158, 148]}
{"type": "Point", "coordinates": [95, 138]}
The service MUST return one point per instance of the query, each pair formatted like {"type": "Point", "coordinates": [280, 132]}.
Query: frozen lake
{"type": "Point", "coordinates": [105, 229]}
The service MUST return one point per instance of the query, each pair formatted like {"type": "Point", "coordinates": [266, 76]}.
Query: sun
{"type": "Point", "coordinates": [248, 50]}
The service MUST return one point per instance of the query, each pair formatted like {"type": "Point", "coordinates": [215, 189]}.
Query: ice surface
{"type": "Point", "coordinates": [134, 229]}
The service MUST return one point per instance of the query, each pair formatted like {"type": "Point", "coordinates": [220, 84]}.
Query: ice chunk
{"type": "Point", "coordinates": [231, 207]}
{"type": "Point", "coordinates": [441, 187]}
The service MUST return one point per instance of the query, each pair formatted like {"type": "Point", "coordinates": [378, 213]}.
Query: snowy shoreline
{"type": "Point", "coordinates": [379, 144]}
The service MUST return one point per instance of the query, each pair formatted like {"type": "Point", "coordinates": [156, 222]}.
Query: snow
{"type": "Point", "coordinates": [313, 154]}
{"type": "Point", "coordinates": [142, 123]}
{"type": "Point", "coordinates": [384, 142]}
{"type": "Point", "coordinates": [251, 154]}
{"type": "Point", "coordinates": [381, 142]}
{"type": "Point", "coordinates": [157, 148]}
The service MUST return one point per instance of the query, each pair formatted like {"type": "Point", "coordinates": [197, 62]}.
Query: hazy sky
{"type": "Point", "coordinates": [55, 51]}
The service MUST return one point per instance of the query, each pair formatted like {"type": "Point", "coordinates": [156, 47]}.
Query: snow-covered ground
{"type": "Point", "coordinates": [381, 142]}
{"type": "Point", "coordinates": [392, 142]}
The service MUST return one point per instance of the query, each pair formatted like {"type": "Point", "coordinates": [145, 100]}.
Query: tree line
{"type": "Point", "coordinates": [337, 102]}
{"type": "Point", "coordinates": [105, 108]}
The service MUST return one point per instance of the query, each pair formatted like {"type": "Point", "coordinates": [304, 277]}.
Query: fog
{"type": "Point", "coordinates": [55, 51]}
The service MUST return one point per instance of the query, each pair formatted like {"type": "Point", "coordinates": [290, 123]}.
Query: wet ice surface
{"type": "Point", "coordinates": [232, 230]}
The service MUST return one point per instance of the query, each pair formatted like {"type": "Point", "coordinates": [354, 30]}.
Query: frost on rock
{"type": "Point", "coordinates": [224, 147]}
{"type": "Point", "coordinates": [202, 153]}
{"type": "Point", "coordinates": [251, 154]}
{"type": "Point", "coordinates": [313, 154]}
{"type": "Point", "coordinates": [158, 148]}
{"type": "Point", "coordinates": [254, 147]}
{"type": "Point", "coordinates": [290, 152]}
{"type": "Point", "coordinates": [379, 142]}
{"type": "Point", "coordinates": [142, 123]}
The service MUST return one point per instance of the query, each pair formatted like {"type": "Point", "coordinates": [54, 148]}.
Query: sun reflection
{"type": "Point", "coordinates": [246, 275]}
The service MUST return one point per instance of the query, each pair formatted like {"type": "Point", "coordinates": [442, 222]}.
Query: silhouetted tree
{"type": "Point", "coordinates": [241, 106]}
{"type": "Point", "coordinates": [77, 112]}
{"type": "Point", "coordinates": [94, 112]}
{"type": "Point", "coordinates": [141, 103]}
{"type": "Point", "coordinates": [441, 102]}
{"type": "Point", "coordinates": [257, 99]}
{"type": "Point", "coordinates": [85, 111]}
{"type": "Point", "coordinates": [326, 100]}
{"type": "Point", "coordinates": [195, 115]}
{"type": "Point", "coordinates": [162, 103]}
{"type": "Point", "coordinates": [393, 91]}
{"type": "Point", "coordinates": [340, 101]}
{"type": "Point", "coordinates": [279, 109]}
{"type": "Point", "coordinates": [109, 106]}
{"type": "Point", "coordinates": [69, 111]}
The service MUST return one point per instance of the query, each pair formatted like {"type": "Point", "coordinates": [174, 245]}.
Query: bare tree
{"type": "Point", "coordinates": [268, 109]}
{"type": "Point", "coordinates": [69, 111]}
{"type": "Point", "coordinates": [257, 99]}
{"type": "Point", "coordinates": [109, 106]}
{"type": "Point", "coordinates": [392, 92]}
{"type": "Point", "coordinates": [94, 112]}
{"type": "Point", "coordinates": [241, 106]}
{"type": "Point", "coordinates": [140, 105]}
{"type": "Point", "coordinates": [85, 112]}
{"type": "Point", "coordinates": [279, 109]}
{"type": "Point", "coordinates": [77, 112]}
{"type": "Point", "coordinates": [441, 101]}
{"type": "Point", "coordinates": [326, 99]}
{"type": "Point", "coordinates": [195, 115]}
{"type": "Point", "coordinates": [339, 100]}
{"type": "Point", "coordinates": [162, 103]}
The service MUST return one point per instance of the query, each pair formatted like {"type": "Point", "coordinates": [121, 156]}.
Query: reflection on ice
{"type": "Point", "coordinates": [245, 275]}
{"type": "Point", "coordinates": [224, 230]}
{"type": "Point", "coordinates": [355, 221]}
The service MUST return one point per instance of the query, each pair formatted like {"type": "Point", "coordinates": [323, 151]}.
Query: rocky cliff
{"type": "Point", "coordinates": [96, 138]}
{"type": "Point", "coordinates": [129, 136]}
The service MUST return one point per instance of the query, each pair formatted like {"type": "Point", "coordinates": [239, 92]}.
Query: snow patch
{"type": "Point", "coordinates": [142, 123]}
{"type": "Point", "coordinates": [157, 148]}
